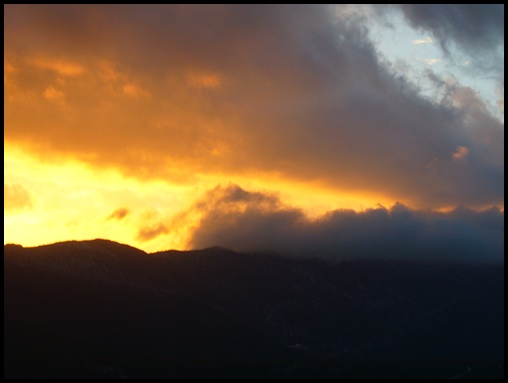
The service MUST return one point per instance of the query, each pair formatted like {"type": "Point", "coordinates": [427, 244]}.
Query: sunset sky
{"type": "Point", "coordinates": [252, 126]}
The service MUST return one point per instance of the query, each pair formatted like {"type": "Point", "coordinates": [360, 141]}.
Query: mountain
{"type": "Point", "coordinates": [100, 309]}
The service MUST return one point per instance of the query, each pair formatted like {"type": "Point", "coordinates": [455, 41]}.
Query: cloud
{"type": "Point", "coordinates": [150, 232]}
{"type": "Point", "coordinates": [133, 90]}
{"type": "Point", "coordinates": [500, 100]}
{"type": "Point", "coordinates": [460, 153]}
{"type": "Point", "coordinates": [16, 198]}
{"type": "Point", "coordinates": [426, 40]}
{"type": "Point", "coordinates": [244, 91]}
{"type": "Point", "coordinates": [119, 213]}
{"type": "Point", "coordinates": [476, 29]}
{"type": "Point", "coordinates": [209, 81]}
{"type": "Point", "coordinates": [51, 93]}
{"type": "Point", "coordinates": [257, 222]}
{"type": "Point", "coordinates": [151, 224]}
{"type": "Point", "coordinates": [432, 61]}
{"type": "Point", "coordinates": [61, 67]}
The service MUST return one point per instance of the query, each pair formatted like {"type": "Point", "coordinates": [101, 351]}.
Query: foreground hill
{"type": "Point", "coordinates": [102, 309]}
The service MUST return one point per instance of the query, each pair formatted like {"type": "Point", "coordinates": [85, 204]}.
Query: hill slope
{"type": "Point", "coordinates": [102, 309]}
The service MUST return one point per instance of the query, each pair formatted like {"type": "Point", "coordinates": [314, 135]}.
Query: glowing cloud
{"type": "Point", "coordinates": [150, 232]}
{"type": "Point", "coordinates": [50, 93]}
{"type": "Point", "coordinates": [119, 214]}
{"type": "Point", "coordinates": [174, 100]}
{"type": "Point", "coordinates": [133, 90]}
{"type": "Point", "coordinates": [16, 198]}
{"type": "Point", "coordinates": [204, 80]}
{"type": "Point", "coordinates": [61, 67]}
{"type": "Point", "coordinates": [460, 153]}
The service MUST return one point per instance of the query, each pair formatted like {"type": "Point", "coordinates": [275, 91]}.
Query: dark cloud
{"type": "Point", "coordinates": [119, 213]}
{"type": "Point", "coordinates": [259, 222]}
{"type": "Point", "coordinates": [476, 29]}
{"type": "Point", "coordinates": [16, 198]}
{"type": "Point", "coordinates": [175, 91]}
{"type": "Point", "coordinates": [148, 232]}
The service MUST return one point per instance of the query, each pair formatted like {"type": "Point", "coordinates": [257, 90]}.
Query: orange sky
{"type": "Point", "coordinates": [118, 119]}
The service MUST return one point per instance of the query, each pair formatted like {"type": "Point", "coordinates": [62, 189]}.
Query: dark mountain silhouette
{"type": "Point", "coordinates": [100, 309]}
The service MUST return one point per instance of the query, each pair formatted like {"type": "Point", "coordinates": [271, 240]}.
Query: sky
{"type": "Point", "coordinates": [288, 128]}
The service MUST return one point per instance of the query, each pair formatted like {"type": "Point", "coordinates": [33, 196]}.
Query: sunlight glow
{"type": "Point", "coordinates": [67, 199]}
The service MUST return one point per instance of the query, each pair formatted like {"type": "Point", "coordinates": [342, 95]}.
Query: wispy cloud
{"type": "Point", "coordinates": [119, 214]}
{"type": "Point", "coordinates": [432, 61]}
{"type": "Point", "coordinates": [426, 40]}
{"type": "Point", "coordinates": [146, 233]}
{"type": "Point", "coordinates": [476, 29]}
{"type": "Point", "coordinates": [460, 153]}
{"type": "Point", "coordinates": [16, 197]}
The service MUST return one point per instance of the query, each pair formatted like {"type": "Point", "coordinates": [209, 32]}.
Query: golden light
{"type": "Point", "coordinates": [66, 199]}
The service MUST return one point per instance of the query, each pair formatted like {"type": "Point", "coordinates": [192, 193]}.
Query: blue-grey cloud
{"type": "Point", "coordinates": [476, 29]}
{"type": "Point", "coordinates": [252, 221]}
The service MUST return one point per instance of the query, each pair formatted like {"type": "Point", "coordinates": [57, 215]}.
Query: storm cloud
{"type": "Point", "coordinates": [258, 222]}
{"type": "Point", "coordinates": [174, 92]}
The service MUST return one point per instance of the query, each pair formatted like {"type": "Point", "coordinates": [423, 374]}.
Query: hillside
{"type": "Point", "coordinates": [102, 309]}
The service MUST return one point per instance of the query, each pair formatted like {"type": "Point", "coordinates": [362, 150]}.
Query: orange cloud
{"type": "Point", "coordinates": [460, 153]}
{"type": "Point", "coordinates": [16, 198]}
{"type": "Point", "coordinates": [302, 97]}
{"type": "Point", "coordinates": [119, 214]}
{"type": "Point", "coordinates": [9, 69]}
{"type": "Point", "coordinates": [134, 91]}
{"type": "Point", "coordinates": [150, 232]}
{"type": "Point", "coordinates": [50, 93]}
{"type": "Point", "coordinates": [61, 67]}
{"type": "Point", "coordinates": [204, 80]}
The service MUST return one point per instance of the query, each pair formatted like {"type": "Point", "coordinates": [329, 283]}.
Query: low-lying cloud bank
{"type": "Point", "coordinates": [257, 222]}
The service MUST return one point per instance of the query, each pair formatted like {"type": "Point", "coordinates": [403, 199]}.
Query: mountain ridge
{"type": "Point", "coordinates": [233, 309]}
